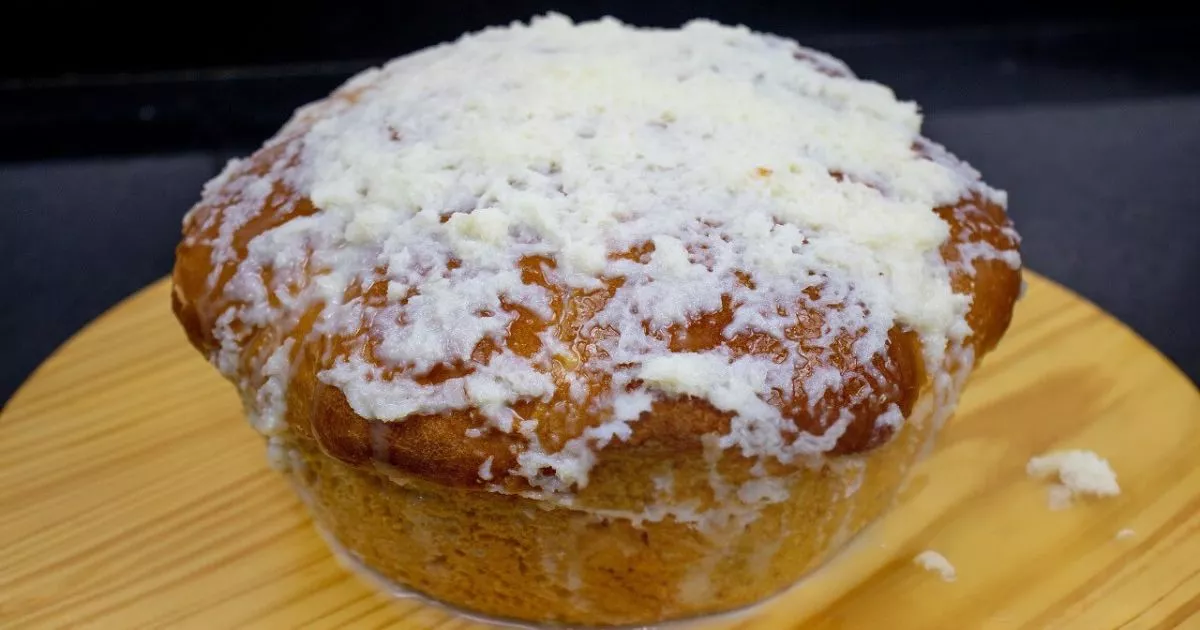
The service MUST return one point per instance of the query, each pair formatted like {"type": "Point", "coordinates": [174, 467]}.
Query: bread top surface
{"type": "Point", "coordinates": [494, 261]}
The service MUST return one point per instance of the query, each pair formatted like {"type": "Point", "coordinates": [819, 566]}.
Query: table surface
{"type": "Point", "coordinates": [135, 495]}
{"type": "Point", "coordinates": [1103, 193]}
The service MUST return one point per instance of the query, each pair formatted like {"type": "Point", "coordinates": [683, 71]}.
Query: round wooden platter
{"type": "Point", "coordinates": [133, 495]}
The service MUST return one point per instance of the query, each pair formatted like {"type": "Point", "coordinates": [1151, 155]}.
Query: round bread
{"type": "Point", "coordinates": [598, 325]}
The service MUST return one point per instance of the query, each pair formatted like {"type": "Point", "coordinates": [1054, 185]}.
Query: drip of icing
{"type": "Point", "coordinates": [756, 178]}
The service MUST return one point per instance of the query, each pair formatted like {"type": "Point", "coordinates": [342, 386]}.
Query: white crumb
{"type": "Point", "coordinates": [485, 470]}
{"type": "Point", "coordinates": [936, 562]}
{"type": "Point", "coordinates": [1059, 497]}
{"type": "Point", "coordinates": [1078, 472]}
{"type": "Point", "coordinates": [1125, 533]}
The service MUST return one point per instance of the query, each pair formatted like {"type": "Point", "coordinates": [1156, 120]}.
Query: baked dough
{"type": "Point", "coordinates": [590, 324]}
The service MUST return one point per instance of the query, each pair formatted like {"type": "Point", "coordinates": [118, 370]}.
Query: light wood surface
{"type": "Point", "coordinates": [132, 494]}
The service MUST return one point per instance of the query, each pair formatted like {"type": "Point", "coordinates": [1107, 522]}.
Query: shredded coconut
{"type": "Point", "coordinates": [936, 562]}
{"type": "Point", "coordinates": [485, 469]}
{"type": "Point", "coordinates": [1059, 497]}
{"type": "Point", "coordinates": [1080, 473]}
{"type": "Point", "coordinates": [748, 171]}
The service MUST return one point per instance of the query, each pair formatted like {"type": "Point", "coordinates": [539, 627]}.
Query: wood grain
{"type": "Point", "coordinates": [133, 495]}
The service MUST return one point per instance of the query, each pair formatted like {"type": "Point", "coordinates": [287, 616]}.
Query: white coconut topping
{"type": "Point", "coordinates": [1079, 472]}
{"type": "Point", "coordinates": [933, 561]}
{"type": "Point", "coordinates": [745, 173]}
{"type": "Point", "coordinates": [485, 469]}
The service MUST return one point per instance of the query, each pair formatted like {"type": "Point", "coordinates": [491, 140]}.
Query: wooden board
{"type": "Point", "coordinates": [133, 495]}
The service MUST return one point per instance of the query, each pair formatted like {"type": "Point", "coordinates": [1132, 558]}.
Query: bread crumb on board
{"type": "Point", "coordinates": [933, 561]}
{"type": "Point", "coordinates": [1079, 473]}
{"type": "Point", "coordinates": [1059, 497]}
{"type": "Point", "coordinates": [1125, 533]}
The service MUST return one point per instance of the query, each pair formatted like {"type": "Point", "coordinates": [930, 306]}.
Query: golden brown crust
{"type": "Point", "coordinates": [434, 446]}
{"type": "Point", "coordinates": [506, 556]}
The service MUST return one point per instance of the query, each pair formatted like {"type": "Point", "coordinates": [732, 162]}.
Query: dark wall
{"type": "Point", "coordinates": [91, 79]}
{"type": "Point", "coordinates": [48, 39]}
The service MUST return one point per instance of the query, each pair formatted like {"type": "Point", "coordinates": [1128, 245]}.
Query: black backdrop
{"type": "Point", "coordinates": [101, 78]}
{"type": "Point", "coordinates": [54, 37]}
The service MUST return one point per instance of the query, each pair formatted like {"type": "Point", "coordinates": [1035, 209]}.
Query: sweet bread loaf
{"type": "Point", "coordinates": [590, 324]}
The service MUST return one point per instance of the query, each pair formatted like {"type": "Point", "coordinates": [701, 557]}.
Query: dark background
{"type": "Point", "coordinates": [111, 117]}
